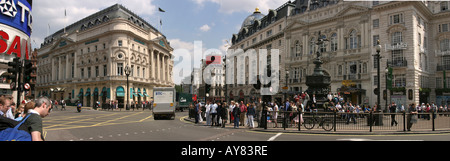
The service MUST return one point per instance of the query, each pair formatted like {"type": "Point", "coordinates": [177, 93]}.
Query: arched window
{"type": "Point", "coordinates": [334, 42]}
{"type": "Point", "coordinates": [353, 40]}
{"type": "Point", "coordinates": [340, 70]}
{"type": "Point", "coordinates": [298, 49]}
{"type": "Point", "coordinates": [323, 47]}
{"type": "Point", "coordinates": [312, 45]}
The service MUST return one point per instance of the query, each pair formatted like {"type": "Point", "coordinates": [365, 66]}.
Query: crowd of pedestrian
{"type": "Point", "coordinates": [31, 112]}
{"type": "Point", "coordinates": [242, 113]}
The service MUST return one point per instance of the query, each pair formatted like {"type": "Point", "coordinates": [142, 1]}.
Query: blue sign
{"type": "Point", "coordinates": [17, 14]}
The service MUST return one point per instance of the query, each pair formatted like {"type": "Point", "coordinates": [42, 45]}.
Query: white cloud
{"type": "Point", "coordinates": [231, 6]}
{"type": "Point", "coordinates": [205, 28]}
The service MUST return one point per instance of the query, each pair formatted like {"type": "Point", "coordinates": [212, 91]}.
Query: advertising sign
{"type": "Point", "coordinates": [17, 14]}
{"type": "Point", "coordinates": [13, 41]}
{"type": "Point", "coordinates": [15, 27]}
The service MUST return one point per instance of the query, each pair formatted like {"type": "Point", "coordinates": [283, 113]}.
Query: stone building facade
{"type": "Point", "coordinates": [414, 36]}
{"type": "Point", "coordinates": [86, 60]}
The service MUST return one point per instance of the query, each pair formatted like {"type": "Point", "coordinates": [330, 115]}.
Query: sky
{"type": "Point", "coordinates": [210, 22]}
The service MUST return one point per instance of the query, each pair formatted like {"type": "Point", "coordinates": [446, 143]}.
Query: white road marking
{"type": "Point", "coordinates": [362, 139]}
{"type": "Point", "coordinates": [274, 137]}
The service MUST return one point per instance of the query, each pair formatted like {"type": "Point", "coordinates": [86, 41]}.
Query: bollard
{"type": "Point", "coordinates": [433, 116]}
{"type": "Point", "coordinates": [299, 119]}
{"type": "Point", "coordinates": [284, 121]}
{"type": "Point", "coordinates": [404, 121]}
{"type": "Point", "coordinates": [334, 121]}
{"type": "Point", "coordinates": [265, 118]}
{"type": "Point", "coordinates": [370, 120]}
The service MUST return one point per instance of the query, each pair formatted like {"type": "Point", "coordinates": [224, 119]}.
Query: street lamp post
{"type": "Point", "coordinates": [386, 78]}
{"type": "Point", "coordinates": [127, 71]}
{"type": "Point", "coordinates": [287, 77]}
{"type": "Point", "coordinates": [379, 122]}
{"type": "Point", "coordinates": [225, 80]}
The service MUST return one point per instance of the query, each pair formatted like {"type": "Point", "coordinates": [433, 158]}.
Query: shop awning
{"type": "Point", "coordinates": [120, 92]}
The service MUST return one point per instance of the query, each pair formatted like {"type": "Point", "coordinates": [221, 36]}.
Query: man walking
{"type": "Point", "coordinates": [412, 116]}
{"type": "Point", "coordinates": [393, 109]}
{"type": "Point", "coordinates": [34, 122]}
{"type": "Point", "coordinates": [250, 113]}
{"type": "Point", "coordinates": [236, 114]}
{"type": "Point", "coordinates": [213, 112]}
{"type": "Point", "coordinates": [196, 112]}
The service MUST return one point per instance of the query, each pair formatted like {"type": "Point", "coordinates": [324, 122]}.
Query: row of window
{"type": "Point", "coordinates": [97, 71]}
{"type": "Point", "coordinates": [87, 72]}
{"type": "Point", "coordinates": [268, 34]}
{"type": "Point", "coordinates": [443, 28]}
{"type": "Point", "coordinates": [88, 50]}
{"type": "Point", "coordinates": [440, 83]}
{"type": "Point", "coordinates": [120, 70]}
{"type": "Point", "coordinates": [399, 80]}
{"type": "Point", "coordinates": [352, 42]}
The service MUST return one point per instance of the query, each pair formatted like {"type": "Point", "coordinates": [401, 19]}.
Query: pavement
{"type": "Point", "coordinates": [280, 129]}
{"type": "Point", "coordinates": [341, 131]}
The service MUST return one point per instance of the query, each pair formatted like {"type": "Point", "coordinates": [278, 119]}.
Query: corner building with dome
{"type": "Point", "coordinates": [86, 60]}
{"type": "Point", "coordinates": [414, 38]}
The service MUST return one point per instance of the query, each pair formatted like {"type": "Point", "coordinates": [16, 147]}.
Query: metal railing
{"type": "Point", "coordinates": [344, 121]}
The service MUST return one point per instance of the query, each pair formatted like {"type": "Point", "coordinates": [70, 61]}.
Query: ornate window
{"type": "Point", "coordinates": [444, 6]}
{"type": "Point", "coordinates": [298, 49]}
{"type": "Point", "coordinates": [323, 47]}
{"type": "Point", "coordinates": [445, 45]}
{"type": "Point", "coordinates": [396, 38]}
{"type": "Point", "coordinates": [312, 45]}
{"type": "Point", "coordinates": [353, 40]}
{"type": "Point", "coordinates": [334, 42]}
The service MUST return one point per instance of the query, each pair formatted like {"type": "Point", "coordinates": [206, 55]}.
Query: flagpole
{"type": "Point", "coordinates": [160, 20]}
{"type": "Point", "coordinates": [65, 20]}
{"type": "Point", "coordinates": [160, 25]}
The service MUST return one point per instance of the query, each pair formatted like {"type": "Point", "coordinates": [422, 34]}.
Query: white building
{"type": "Point", "coordinates": [414, 35]}
{"type": "Point", "coordinates": [86, 60]}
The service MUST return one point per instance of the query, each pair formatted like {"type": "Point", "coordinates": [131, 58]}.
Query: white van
{"type": "Point", "coordinates": [164, 102]}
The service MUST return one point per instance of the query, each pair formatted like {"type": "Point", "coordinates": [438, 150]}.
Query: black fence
{"type": "Point", "coordinates": [342, 121]}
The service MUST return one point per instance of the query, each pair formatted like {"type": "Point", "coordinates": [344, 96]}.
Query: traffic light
{"type": "Point", "coordinates": [27, 71]}
{"type": "Point", "coordinates": [207, 88]}
{"type": "Point", "coordinates": [14, 71]}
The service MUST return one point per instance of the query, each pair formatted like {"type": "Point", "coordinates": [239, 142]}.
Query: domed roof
{"type": "Point", "coordinates": [251, 19]}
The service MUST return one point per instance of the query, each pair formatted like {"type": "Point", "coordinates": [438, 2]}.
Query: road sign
{"type": "Point", "coordinates": [26, 86]}
{"type": "Point", "coordinates": [13, 85]}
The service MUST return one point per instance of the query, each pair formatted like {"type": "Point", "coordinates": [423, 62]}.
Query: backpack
{"type": "Point", "coordinates": [14, 134]}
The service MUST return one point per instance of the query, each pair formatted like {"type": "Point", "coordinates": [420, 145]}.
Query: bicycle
{"type": "Point", "coordinates": [310, 122]}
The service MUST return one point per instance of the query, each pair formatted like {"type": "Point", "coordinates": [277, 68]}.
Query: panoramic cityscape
{"type": "Point", "coordinates": [212, 70]}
